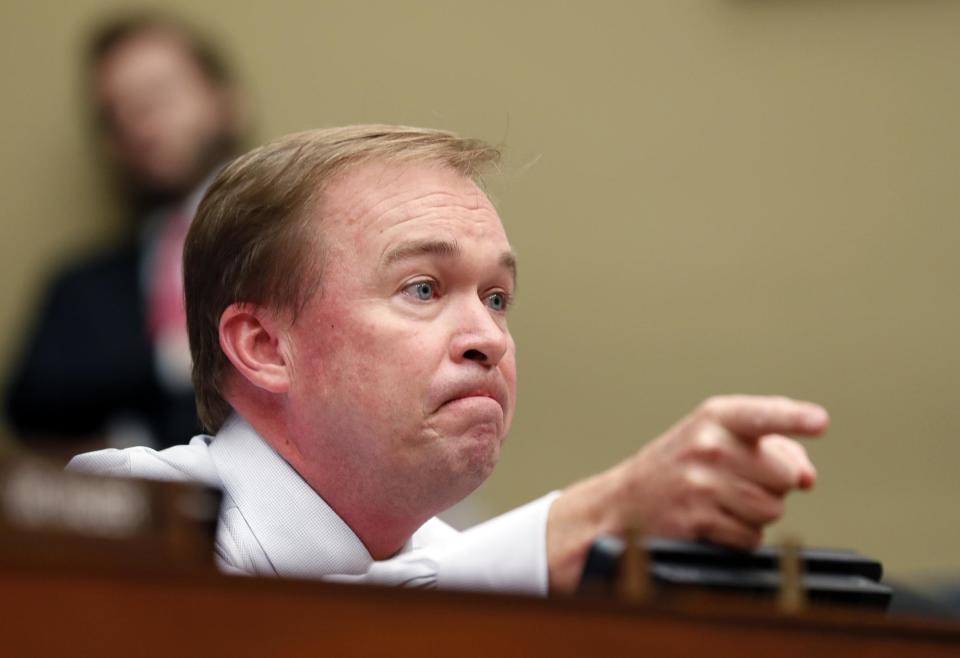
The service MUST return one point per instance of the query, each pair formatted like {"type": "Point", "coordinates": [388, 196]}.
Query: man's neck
{"type": "Point", "coordinates": [361, 502]}
{"type": "Point", "coordinates": [383, 536]}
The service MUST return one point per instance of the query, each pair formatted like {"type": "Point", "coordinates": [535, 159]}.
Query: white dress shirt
{"type": "Point", "coordinates": [273, 523]}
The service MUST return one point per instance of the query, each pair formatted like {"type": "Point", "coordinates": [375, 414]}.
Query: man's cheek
{"type": "Point", "coordinates": [508, 369]}
{"type": "Point", "coordinates": [384, 374]}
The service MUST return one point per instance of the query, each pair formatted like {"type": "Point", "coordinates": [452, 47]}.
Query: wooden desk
{"type": "Point", "coordinates": [71, 611]}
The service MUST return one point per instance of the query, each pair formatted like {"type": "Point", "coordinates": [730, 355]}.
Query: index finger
{"type": "Point", "coordinates": [753, 416]}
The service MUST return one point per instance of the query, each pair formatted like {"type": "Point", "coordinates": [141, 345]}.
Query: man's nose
{"type": "Point", "coordinates": [479, 337]}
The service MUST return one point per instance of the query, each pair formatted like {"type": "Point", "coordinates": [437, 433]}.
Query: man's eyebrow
{"type": "Point", "coordinates": [408, 250]}
{"type": "Point", "coordinates": [444, 248]}
{"type": "Point", "coordinates": [508, 260]}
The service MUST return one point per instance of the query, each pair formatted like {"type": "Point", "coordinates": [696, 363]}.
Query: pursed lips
{"type": "Point", "coordinates": [497, 393]}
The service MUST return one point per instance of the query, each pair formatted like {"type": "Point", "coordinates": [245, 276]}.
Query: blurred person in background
{"type": "Point", "coordinates": [108, 360]}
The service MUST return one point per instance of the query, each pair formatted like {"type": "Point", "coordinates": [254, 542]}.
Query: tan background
{"type": "Point", "coordinates": [707, 196]}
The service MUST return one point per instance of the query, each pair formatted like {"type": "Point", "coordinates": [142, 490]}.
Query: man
{"type": "Point", "coordinates": [109, 357]}
{"type": "Point", "coordinates": [347, 300]}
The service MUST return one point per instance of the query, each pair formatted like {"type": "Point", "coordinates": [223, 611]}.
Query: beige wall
{"type": "Point", "coordinates": [723, 195]}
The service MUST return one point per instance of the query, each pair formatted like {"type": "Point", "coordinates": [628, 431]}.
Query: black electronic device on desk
{"type": "Point", "coordinates": [827, 575]}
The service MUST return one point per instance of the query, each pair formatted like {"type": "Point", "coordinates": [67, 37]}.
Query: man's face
{"type": "Point", "coordinates": [404, 371]}
{"type": "Point", "coordinates": [162, 117]}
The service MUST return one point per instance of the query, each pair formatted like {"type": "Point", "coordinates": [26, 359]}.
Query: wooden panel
{"type": "Point", "coordinates": [57, 612]}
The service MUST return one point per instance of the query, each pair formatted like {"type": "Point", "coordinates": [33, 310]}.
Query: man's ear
{"type": "Point", "coordinates": [252, 339]}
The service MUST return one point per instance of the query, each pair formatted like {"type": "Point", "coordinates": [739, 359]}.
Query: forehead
{"type": "Point", "coordinates": [376, 204]}
{"type": "Point", "coordinates": [142, 55]}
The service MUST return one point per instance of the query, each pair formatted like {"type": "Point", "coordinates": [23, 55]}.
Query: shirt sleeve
{"type": "Point", "coordinates": [505, 554]}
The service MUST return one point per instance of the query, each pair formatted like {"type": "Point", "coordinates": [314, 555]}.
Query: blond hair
{"type": "Point", "coordinates": [252, 240]}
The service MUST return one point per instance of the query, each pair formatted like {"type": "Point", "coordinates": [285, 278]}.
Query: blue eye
{"type": "Point", "coordinates": [422, 290]}
{"type": "Point", "coordinates": [498, 301]}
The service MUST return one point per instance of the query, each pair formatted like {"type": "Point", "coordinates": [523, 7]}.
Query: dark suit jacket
{"type": "Point", "coordinates": [90, 361]}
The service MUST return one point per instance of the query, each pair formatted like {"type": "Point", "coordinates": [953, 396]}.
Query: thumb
{"type": "Point", "coordinates": [790, 457]}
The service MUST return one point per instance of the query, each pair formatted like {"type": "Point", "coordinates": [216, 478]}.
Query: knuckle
{"type": "Point", "coordinates": [708, 445]}
{"type": "Point", "coordinates": [774, 440]}
{"type": "Point", "coordinates": [697, 483]}
{"type": "Point", "coordinates": [710, 407]}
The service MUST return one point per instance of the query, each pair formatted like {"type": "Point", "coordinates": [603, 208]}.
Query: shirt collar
{"type": "Point", "coordinates": [300, 534]}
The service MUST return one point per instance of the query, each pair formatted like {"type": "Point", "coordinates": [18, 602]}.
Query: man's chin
{"type": "Point", "coordinates": [480, 452]}
{"type": "Point", "coordinates": [470, 444]}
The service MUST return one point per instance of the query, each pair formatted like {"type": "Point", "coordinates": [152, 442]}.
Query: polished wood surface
{"type": "Point", "coordinates": [71, 610]}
